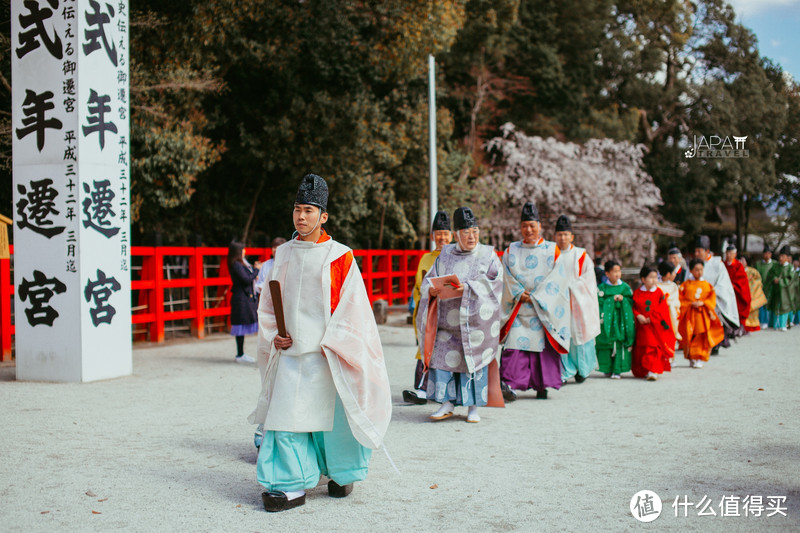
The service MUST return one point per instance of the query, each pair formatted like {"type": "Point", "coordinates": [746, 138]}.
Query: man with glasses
{"type": "Point", "coordinates": [459, 329]}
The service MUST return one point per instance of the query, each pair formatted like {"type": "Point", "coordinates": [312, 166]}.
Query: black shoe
{"type": "Point", "coordinates": [508, 394]}
{"type": "Point", "coordinates": [715, 350]}
{"type": "Point", "coordinates": [409, 396]}
{"type": "Point", "coordinates": [337, 491]}
{"type": "Point", "coordinates": [276, 501]}
{"type": "Point", "coordinates": [541, 394]}
{"type": "Point", "coordinates": [579, 378]}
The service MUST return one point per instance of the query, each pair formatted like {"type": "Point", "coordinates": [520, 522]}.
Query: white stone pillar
{"type": "Point", "coordinates": [71, 139]}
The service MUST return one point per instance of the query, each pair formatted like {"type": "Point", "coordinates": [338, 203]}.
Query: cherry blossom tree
{"type": "Point", "coordinates": [601, 185]}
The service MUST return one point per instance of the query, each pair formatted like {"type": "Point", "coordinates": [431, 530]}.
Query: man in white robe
{"type": "Point", "coordinates": [584, 307]}
{"type": "Point", "coordinates": [716, 274]}
{"type": "Point", "coordinates": [325, 400]}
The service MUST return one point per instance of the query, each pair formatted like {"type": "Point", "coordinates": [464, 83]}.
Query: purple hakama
{"type": "Point", "coordinates": [523, 370]}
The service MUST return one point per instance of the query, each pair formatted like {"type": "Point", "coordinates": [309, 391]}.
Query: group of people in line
{"type": "Point", "coordinates": [547, 314]}
{"type": "Point", "coordinates": [486, 326]}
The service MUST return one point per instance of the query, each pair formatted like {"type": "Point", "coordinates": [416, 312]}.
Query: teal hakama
{"type": "Point", "coordinates": [289, 461]}
{"type": "Point", "coordinates": [581, 359]}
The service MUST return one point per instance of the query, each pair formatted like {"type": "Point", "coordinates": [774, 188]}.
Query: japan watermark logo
{"type": "Point", "coordinates": [715, 146]}
{"type": "Point", "coordinates": [646, 506]}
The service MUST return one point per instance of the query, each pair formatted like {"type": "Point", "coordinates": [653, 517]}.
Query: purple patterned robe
{"type": "Point", "coordinates": [468, 327]}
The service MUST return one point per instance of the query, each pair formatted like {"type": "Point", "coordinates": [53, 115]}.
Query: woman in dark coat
{"type": "Point", "coordinates": [244, 305]}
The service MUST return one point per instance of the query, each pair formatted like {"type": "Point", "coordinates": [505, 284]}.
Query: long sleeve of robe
{"type": "Point", "coordinates": [584, 307]}
{"type": "Point", "coordinates": [717, 275]}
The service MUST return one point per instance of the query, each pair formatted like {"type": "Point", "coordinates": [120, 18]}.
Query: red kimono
{"type": "Point", "coordinates": [741, 286]}
{"type": "Point", "coordinates": [655, 342]}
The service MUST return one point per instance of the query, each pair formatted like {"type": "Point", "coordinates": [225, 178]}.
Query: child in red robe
{"type": "Point", "coordinates": [655, 340]}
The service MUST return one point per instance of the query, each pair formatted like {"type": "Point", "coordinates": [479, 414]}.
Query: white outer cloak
{"type": "Point", "coordinates": [716, 274]}
{"type": "Point", "coordinates": [350, 345]}
{"type": "Point", "coordinates": [584, 306]}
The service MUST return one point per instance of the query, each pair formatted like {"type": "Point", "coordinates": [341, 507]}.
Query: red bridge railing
{"type": "Point", "coordinates": [186, 288]}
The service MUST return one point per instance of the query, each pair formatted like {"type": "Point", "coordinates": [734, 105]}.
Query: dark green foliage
{"type": "Point", "coordinates": [232, 101]}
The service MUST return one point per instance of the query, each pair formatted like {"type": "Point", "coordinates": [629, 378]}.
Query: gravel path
{"type": "Point", "coordinates": [169, 449]}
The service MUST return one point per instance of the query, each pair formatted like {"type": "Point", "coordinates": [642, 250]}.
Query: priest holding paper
{"type": "Point", "coordinates": [325, 401]}
{"type": "Point", "coordinates": [459, 320]}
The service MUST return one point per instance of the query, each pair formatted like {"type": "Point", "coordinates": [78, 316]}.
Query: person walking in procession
{"type": "Point", "coordinates": [535, 310]}
{"type": "Point", "coordinates": [654, 346]}
{"type": "Point", "coordinates": [459, 328]}
{"type": "Point", "coordinates": [794, 319]}
{"type": "Point", "coordinates": [325, 401]}
{"type": "Point", "coordinates": [757, 297]}
{"type": "Point", "coordinates": [699, 326]}
{"type": "Point", "coordinates": [741, 286]}
{"type": "Point", "coordinates": [716, 274]}
{"type": "Point", "coordinates": [617, 328]}
{"type": "Point", "coordinates": [666, 272]}
{"type": "Point", "coordinates": [675, 257]}
{"type": "Point", "coordinates": [441, 235]}
{"type": "Point", "coordinates": [584, 311]}
{"type": "Point", "coordinates": [767, 268]}
{"type": "Point", "coordinates": [244, 303]}
{"type": "Point", "coordinates": [782, 303]}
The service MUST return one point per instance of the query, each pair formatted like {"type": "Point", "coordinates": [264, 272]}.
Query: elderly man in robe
{"type": "Point", "coordinates": [717, 275]}
{"type": "Point", "coordinates": [459, 329]}
{"type": "Point", "coordinates": [325, 401]}
{"type": "Point", "coordinates": [536, 308]}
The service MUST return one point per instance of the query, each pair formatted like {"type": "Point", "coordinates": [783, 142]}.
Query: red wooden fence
{"type": "Point", "coordinates": [203, 273]}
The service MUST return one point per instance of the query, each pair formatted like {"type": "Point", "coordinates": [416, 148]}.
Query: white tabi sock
{"type": "Point", "coordinates": [447, 407]}
{"type": "Point", "coordinates": [421, 393]}
{"type": "Point", "coordinates": [293, 494]}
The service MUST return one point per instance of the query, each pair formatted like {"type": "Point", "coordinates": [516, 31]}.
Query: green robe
{"type": "Point", "coordinates": [782, 300]}
{"type": "Point", "coordinates": [616, 328]}
{"type": "Point", "coordinates": [768, 272]}
{"type": "Point", "coordinates": [795, 292]}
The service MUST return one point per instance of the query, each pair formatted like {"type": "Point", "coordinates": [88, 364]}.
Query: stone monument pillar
{"type": "Point", "coordinates": [71, 139]}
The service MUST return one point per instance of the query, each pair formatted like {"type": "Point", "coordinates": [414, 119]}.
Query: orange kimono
{"type": "Point", "coordinates": [700, 327]}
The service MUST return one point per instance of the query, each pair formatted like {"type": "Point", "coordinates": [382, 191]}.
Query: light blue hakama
{"type": "Point", "coordinates": [581, 359]}
{"type": "Point", "coordinates": [290, 461]}
{"type": "Point", "coordinates": [779, 321]}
